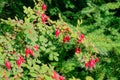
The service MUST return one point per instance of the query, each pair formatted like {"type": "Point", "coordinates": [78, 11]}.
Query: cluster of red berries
{"type": "Point", "coordinates": [57, 33]}
{"type": "Point", "coordinates": [91, 63]}
{"type": "Point", "coordinates": [21, 58]}
{"type": "Point", "coordinates": [77, 50]}
{"type": "Point", "coordinates": [8, 65]}
{"type": "Point", "coordinates": [44, 17]}
{"type": "Point", "coordinates": [30, 51]}
{"type": "Point", "coordinates": [18, 62]}
{"type": "Point", "coordinates": [80, 39]}
{"type": "Point", "coordinates": [56, 76]}
{"type": "Point", "coordinates": [67, 39]}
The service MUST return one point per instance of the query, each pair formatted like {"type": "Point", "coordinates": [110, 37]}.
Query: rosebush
{"type": "Point", "coordinates": [37, 48]}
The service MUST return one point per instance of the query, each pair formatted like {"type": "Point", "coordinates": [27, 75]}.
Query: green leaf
{"type": "Point", "coordinates": [53, 48]}
{"type": "Point", "coordinates": [8, 74]}
{"type": "Point", "coordinates": [38, 61]}
{"type": "Point", "coordinates": [42, 39]}
{"type": "Point", "coordinates": [56, 58]}
{"type": "Point", "coordinates": [44, 69]}
{"type": "Point", "coordinates": [2, 56]}
{"type": "Point", "coordinates": [23, 65]}
{"type": "Point", "coordinates": [36, 67]}
{"type": "Point", "coordinates": [1, 49]}
{"type": "Point", "coordinates": [42, 48]}
{"type": "Point", "coordinates": [89, 78]}
{"type": "Point", "coordinates": [56, 54]}
{"type": "Point", "coordinates": [48, 77]}
{"type": "Point", "coordinates": [1, 73]}
{"type": "Point", "coordinates": [51, 57]}
{"type": "Point", "coordinates": [29, 62]}
{"type": "Point", "coordinates": [1, 62]}
{"type": "Point", "coordinates": [47, 50]}
{"type": "Point", "coordinates": [32, 74]}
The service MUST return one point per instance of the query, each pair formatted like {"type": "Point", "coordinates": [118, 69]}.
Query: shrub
{"type": "Point", "coordinates": [39, 48]}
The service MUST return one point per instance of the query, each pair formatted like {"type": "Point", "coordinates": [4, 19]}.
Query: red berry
{"type": "Point", "coordinates": [55, 75]}
{"type": "Point", "coordinates": [44, 18]}
{"type": "Point", "coordinates": [67, 38]}
{"type": "Point", "coordinates": [57, 33]}
{"type": "Point", "coordinates": [86, 65]}
{"type": "Point", "coordinates": [64, 39]}
{"type": "Point", "coordinates": [77, 51]}
{"type": "Point", "coordinates": [81, 37]}
{"type": "Point", "coordinates": [44, 7]}
{"type": "Point", "coordinates": [22, 58]}
{"type": "Point", "coordinates": [97, 59]}
{"type": "Point", "coordinates": [61, 78]}
{"type": "Point", "coordinates": [26, 52]}
{"type": "Point", "coordinates": [79, 40]}
{"type": "Point", "coordinates": [36, 47]}
{"type": "Point", "coordinates": [92, 63]}
{"type": "Point", "coordinates": [18, 62]}
{"type": "Point", "coordinates": [31, 52]}
{"type": "Point", "coordinates": [8, 65]}
{"type": "Point", "coordinates": [43, 15]}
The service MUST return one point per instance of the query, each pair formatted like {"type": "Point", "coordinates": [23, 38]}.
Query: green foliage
{"type": "Point", "coordinates": [102, 27]}
{"type": "Point", "coordinates": [98, 19]}
{"type": "Point", "coordinates": [11, 8]}
{"type": "Point", "coordinates": [2, 5]}
{"type": "Point", "coordinates": [18, 36]}
{"type": "Point", "coordinates": [101, 23]}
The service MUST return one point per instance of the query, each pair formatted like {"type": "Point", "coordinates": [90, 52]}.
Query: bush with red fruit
{"type": "Point", "coordinates": [33, 48]}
